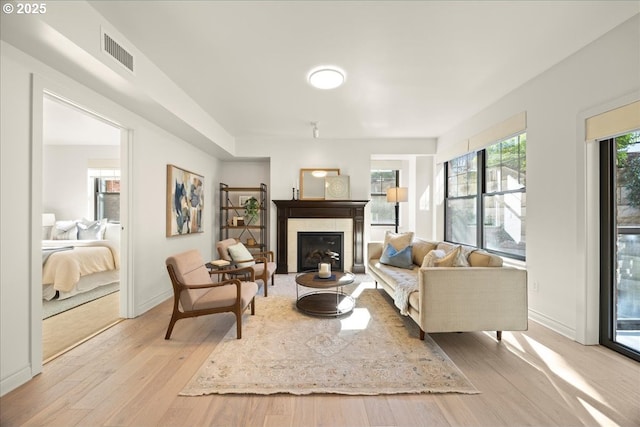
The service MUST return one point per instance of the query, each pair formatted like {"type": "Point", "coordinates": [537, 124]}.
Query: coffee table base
{"type": "Point", "coordinates": [326, 304]}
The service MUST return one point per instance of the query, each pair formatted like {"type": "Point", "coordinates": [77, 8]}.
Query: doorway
{"type": "Point", "coordinates": [620, 244]}
{"type": "Point", "coordinates": [81, 211]}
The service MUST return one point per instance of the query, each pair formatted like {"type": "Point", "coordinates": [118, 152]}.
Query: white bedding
{"type": "Point", "coordinates": [69, 271]}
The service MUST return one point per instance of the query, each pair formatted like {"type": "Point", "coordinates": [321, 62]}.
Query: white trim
{"type": "Point", "coordinates": [617, 121]}
{"type": "Point", "coordinates": [552, 324]}
{"type": "Point", "coordinates": [16, 379]}
{"type": "Point", "coordinates": [588, 224]}
{"type": "Point", "coordinates": [512, 126]}
{"type": "Point", "coordinates": [37, 118]}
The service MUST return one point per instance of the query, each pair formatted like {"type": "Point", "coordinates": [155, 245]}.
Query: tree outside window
{"type": "Point", "coordinates": [488, 209]}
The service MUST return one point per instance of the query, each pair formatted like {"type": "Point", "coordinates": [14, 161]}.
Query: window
{"type": "Point", "coordinates": [104, 185]}
{"type": "Point", "coordinates": [504, 198]}
{"type": "Point", "coordinates": [382, 212]}
{"type": "Point", "coordinates": [462, 200]}
{"type": "Point", "coordinates": [488, 209]}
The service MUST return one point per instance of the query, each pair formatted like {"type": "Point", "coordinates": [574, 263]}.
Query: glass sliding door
{"type": "Point", "coordinates": [620, 244]}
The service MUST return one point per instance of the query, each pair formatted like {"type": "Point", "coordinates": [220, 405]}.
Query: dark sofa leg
{"type": "Point", "coordinates": [421, 334]}
{"type": "Point", "coordinates": [499, 335]}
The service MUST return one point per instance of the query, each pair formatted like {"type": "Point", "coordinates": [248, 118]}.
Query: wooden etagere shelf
{"type": "Point", "coordinates": [252, 232]}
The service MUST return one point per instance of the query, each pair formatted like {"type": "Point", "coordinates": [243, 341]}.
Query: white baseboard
{"type": "Point", "coordinates": [149, 304]}
{"type": "Point", "coordinates": [14, 381]}
{"type": "Point", "coordinates": [552, 324]}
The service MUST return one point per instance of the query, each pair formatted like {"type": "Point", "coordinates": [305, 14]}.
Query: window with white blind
{"type": "Point", "coordinates": [486, 198]}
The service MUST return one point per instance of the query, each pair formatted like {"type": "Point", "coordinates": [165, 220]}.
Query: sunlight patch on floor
{"type": "Point", "coordinates": [358, 320]}
{"type": "Point", "coordinates": [359, 317]}
{"type": "Point", "coordinates": [598, 416]}
{"type": "Point", "coordinates": [557, 364]}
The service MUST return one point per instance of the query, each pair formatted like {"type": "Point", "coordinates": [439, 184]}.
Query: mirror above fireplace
{"type": "Point", "coordinates": [312, 182]}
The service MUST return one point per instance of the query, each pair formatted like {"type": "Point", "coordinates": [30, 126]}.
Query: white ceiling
{"type": "Point", "coordinates": [414, 68]}
{"type": "Point", "coordinates": [65, 124]}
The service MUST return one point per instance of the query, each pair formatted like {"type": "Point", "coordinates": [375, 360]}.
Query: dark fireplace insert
{"type": "Point", "coordinates": [315, 247]}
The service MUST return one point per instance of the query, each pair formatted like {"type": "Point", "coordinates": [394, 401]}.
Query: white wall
{"type": "Point", "coordinates": [352, 157]}
{"type": "Point", "coordinates": [64, 178]}
{"type": "Point", "coordinates": [150, 150]}
{"type": "Point", "coordinates": [603, 71]}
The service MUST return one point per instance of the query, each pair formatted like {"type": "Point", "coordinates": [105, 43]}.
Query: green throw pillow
{"type": "Point", "coordinates": [238, 253]}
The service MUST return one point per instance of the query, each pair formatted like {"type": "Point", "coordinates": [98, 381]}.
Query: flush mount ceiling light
{"type": "Point", "coordinates": [326, 77]}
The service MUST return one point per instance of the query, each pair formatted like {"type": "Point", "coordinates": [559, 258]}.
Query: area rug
{"type": "Point", "coordinates": [371, 351]}
{"type": "Point", "coordinates": [55, 306]}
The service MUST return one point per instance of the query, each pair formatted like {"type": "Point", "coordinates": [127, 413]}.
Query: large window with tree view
{"type": "Point", "coordinates": [486, 198]}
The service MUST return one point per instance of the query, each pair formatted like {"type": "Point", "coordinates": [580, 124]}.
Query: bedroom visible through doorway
{"type": "Point", "coordinates": [80, 225]}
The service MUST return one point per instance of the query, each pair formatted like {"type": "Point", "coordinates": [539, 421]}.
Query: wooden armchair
{"type": "Point", "coordinates": [262, 263]}
{"type": "Point", "coordinates": [196, 294]}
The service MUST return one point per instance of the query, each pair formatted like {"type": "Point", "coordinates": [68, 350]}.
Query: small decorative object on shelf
{"type": "Point", "coordinates": [293, 193]}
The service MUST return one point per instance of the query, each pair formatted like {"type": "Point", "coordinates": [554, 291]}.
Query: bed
{"type": "Point", "coordinates": [80, 256]}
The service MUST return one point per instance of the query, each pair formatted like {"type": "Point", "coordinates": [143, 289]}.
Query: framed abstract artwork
{"type": "Point", "coordinates": [185, 202]}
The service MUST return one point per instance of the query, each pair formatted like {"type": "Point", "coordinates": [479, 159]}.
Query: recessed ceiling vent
{"type": "Point", "coordinates": [115, 50]}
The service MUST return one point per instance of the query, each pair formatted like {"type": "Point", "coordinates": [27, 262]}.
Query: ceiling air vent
{"type": "Point", "coordinates": [119, 53]}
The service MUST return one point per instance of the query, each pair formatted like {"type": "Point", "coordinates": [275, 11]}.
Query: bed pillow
{"type": "Point", "coordinates": [65, 230]}
{"type": "Point", "coordinates": [91, 230]}
{"type": "Point", "coordinates": [239, 252]}
{"type": "Point", "coordinates": [401, 258]}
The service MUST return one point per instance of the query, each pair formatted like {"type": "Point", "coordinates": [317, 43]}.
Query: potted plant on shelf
{"type": "Point", "coordinates": [251, 208]}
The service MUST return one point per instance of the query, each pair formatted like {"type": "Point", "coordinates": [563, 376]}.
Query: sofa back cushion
{"type": "Point", "coordinates": [421, 248]}
{"type": "Point", "coordinates": [477, 257]}
{"type": "Point", "coordinates": [484, 259]}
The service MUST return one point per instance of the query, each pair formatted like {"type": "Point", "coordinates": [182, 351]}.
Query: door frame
{"type": "Point", "coordinates": [91, 104]}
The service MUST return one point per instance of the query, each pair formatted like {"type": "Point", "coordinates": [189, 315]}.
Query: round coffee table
{"type": "Point", "coordinates": [327, 299]}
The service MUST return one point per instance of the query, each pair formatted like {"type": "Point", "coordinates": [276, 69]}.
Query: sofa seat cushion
{"type": "Point", "coordinates": [403, 282]}
{"type": "Point", "coordinates": [393, 275]}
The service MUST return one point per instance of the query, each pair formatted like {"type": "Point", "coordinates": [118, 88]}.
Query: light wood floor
{"type": "Point", "coordinates": [70, 328]}
{"type": "Point", "coordinates": [130, 376]}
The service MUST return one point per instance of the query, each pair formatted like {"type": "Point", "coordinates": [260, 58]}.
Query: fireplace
{"type": "Point", "coordinates": [329, 212]}
{"type": "Point", "coordinates": [320, 246]}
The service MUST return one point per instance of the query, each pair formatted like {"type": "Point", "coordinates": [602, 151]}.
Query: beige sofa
{"type": "Point", "coordinates": [485, 296]}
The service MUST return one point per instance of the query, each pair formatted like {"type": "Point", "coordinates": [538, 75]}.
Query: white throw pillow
{"type": "Point", "coordinates": [238, 253]}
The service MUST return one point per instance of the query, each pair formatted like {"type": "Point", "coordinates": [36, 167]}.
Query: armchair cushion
{"type": "Point", "coordinates": [224, 296]}
{"type": "Point", "coordinates": [189, 269]}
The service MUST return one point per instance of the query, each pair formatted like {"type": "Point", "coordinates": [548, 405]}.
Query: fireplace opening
{"type": "Point", "coordinates": [315, 247]}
